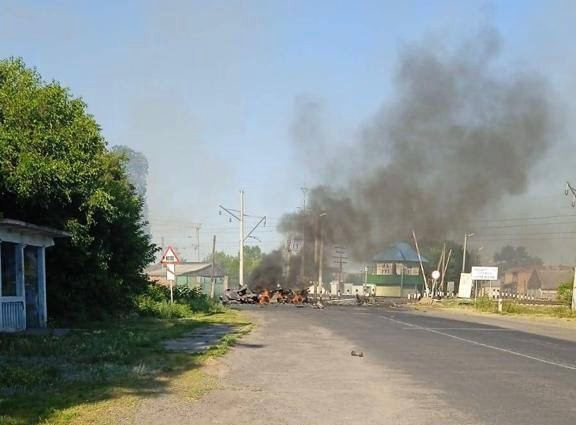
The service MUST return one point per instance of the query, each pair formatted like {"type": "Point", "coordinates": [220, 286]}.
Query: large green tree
{"type": "Point", "coordinates": [230, 263]}
{"type": "Point", "coordinates": [510, 256]}
{"type": "Point", "coordinates": [56, 170]}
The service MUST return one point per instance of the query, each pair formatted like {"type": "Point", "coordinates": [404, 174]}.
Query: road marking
{"type": "Point", "coordinates": [463, 329]}
{"type": "Point", "coordinates": [492, 347]}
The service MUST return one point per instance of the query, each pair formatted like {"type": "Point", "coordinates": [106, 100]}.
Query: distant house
{"type": "Point", "coordinates": [395, 272]}
{"type": "Point", "coordinates": [192, 274]}
{"type": "Point", "coordinates": [547, 281]}
{"type": "Point", "coordinates": [23, 274]}
{"type": "Point", "coordinates": [538, 281]}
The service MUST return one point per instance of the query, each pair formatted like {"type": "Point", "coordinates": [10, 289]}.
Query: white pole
{"type": "Point", "coordinates": [464, 253]}
{"type": "Point", "coordinates": [321, 258]}
{"type": "Point", "coordinates": [574, 291]}
{"type": "Point", "coordinates": [241, 268]}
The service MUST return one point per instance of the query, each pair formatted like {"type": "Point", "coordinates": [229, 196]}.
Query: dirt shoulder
{"type": "Point", "coordinates": [536, 324]}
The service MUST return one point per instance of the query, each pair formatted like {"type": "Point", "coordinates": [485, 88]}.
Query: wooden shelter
{"type": "Point", "coordinates": [23, 274]}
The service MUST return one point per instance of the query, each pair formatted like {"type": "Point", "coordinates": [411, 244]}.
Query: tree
{"type": "Point", "coordinates": [432, 250]}
{"type": "Point", "coordinates": [55, 170]}
{"type": "Point", "coordinates": [564, 293]}
{"type": "Point", "coordinates": [231, 263]}
{"type": "Point", "coordinates": [136, 167]}
{"type": "Point", "coordinates": [510, 256]}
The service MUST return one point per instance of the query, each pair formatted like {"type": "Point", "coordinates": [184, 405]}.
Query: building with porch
{"type": "Point", "coordinates": [395, 272]}
{"type": "Point", "coordinates": [23, 274]}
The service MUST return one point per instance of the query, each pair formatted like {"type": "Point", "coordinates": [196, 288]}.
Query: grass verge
{"type": "Point", "coordinates": [509, 307]}
{"type": "Point", "coordinates": [101, 370]}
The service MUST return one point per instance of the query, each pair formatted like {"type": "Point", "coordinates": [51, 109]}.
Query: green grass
{"type": "Point", "coordinates": [510, 307]}
{"type": "Point", "coordinates": [47, 379]}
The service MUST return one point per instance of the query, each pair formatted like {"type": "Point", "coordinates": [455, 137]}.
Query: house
{"type": "Point", "coordinates": [516, 280]}
{"type": "Point", "coordinates": [536, 281]}
{"type": "Point", "coordinates": [396, 271]}
{"type": "Point", "coordinates": [193, 274]}
{"type": "Point", "coordinates": [23, 274]}
{"type": "Point", "coordinates": [547, 280]}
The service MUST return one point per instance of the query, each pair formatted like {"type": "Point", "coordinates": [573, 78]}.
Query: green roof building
{"type": "Point", "coordinates": [395, 272]}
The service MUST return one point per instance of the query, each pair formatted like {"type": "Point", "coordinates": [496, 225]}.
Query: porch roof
{"type": "Point", "coordinates": [31, 234]}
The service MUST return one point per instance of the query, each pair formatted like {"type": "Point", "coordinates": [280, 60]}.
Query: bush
{"type": "Point", "coordinates": [162, 309]}
{"type": "Point", "coordinates": [565, 293]}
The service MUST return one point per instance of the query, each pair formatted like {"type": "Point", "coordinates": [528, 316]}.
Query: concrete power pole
{"type": "Point", "coordinates": [240, 216]}
{"type": "Point", "coordinates": [241, 269]}
{"type": "Point", "coordinates": [212, 278]}
{"type": "Point", "coordinates": [320, 257]}
{"type": "Point", "coordinates": [302, 248]}
{"type": "Point", "coordinates": [571, 190]}
{"type": "Point", "coordinates": [466, 236]}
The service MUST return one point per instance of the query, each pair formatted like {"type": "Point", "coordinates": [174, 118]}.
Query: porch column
{"type": "Point", "coordinates": [42, 305]}
{"type": "Point", "coordinates": [1, 324]}
{"type": "Point", "coordinates": [20, 287]}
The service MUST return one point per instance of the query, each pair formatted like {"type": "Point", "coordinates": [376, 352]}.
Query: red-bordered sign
{"type": "Point", "coordinates": [170, 256]}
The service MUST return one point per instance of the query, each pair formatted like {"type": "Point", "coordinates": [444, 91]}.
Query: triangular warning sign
{"type": "Point", "coordinates": [169, 256]}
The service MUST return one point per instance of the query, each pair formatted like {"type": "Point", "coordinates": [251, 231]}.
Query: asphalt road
{"type": "Point", "coordinates": [494, 374]}
{"type": "Point", "coordinates": [296, 368]}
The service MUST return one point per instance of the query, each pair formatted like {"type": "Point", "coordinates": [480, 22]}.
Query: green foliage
{"type": "Point", "coordinates": [162, 309]}
{"type": "Point", "coordinates": [564, 293]}
{"type": "Point", "coordinates": [155, 302]}
{"type": "Point", "coordinates": [55, 170]}
{"type": "Point", "coordinates": [432, 250]}
{"type": "Point", "coordinates": [509, 257]}
{"type": "Point", "coordinates": [136, 167]}
{"type": "Point", "coordinates": [230, 263]}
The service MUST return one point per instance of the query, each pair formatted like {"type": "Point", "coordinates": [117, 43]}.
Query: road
{"type": "Point", "coordinates": [296, 369]}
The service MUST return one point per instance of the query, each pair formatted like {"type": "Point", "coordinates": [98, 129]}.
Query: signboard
{"type": "Point", "coordinates": [169, 256]}
{"type": "Point", "coordinates": [450, 287]}
{"type": "Point", "coordinates": [465, 287]}
{"type": "Point", "coordinates": [484, 273]}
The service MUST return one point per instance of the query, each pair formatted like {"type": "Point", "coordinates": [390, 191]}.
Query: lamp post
{"type": "Point", "coordinates": [466, 236]}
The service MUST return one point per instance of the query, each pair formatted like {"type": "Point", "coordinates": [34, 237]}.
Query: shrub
{"type": "Point", "coordinates": [565, 293]}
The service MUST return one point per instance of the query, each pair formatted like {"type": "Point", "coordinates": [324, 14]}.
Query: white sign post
{"type": "Point", "coordinates": [170, 259]}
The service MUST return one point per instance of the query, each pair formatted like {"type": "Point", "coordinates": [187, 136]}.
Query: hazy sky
{"type": "Point", "coordinates": [207, 89]}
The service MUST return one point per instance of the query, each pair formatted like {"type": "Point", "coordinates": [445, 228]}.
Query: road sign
{"type": "Point", "coordinates": [435, 274]}
{"type": "Point", "coordinates": [484, 273]}
{"type": "Point", "coordinates": [169, 256]}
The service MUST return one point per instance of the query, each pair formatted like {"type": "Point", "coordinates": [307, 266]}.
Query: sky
{"type": "Point", "coordinates": [207, 90]}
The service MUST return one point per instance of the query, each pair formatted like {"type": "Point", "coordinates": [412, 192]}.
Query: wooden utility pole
{"type": "Point", "coordinates": [212, 278]}
{"type": "Point", "coordinates": [420, 260]}
{"type": "Point", "coordinates": [572, 190]}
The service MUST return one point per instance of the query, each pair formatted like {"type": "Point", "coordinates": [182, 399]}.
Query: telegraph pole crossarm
{"type": "Point", "coordinates": [262, 219]}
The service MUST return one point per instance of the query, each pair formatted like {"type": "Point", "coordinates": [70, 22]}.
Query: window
{"type": "Point", "coordinates": [8, 252]}
{"type": "Point", "coordinates": [384, 269]}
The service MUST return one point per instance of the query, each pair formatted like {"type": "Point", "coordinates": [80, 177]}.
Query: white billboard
{"type": "Point", "coordinates": [484, 273]}
{"type": "Point", "coordinates": [465, 286]}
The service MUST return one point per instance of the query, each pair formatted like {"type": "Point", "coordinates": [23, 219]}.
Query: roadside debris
{"type": "Point", "coordinates": [278, 296]}
{"type": "Point", "coordinates": [357, 353]}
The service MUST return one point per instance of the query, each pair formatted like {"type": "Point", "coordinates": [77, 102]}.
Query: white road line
{"type": "Point", "coordinates": [463, 329]}
{"type": "Point", "coordinates": [492, 347]}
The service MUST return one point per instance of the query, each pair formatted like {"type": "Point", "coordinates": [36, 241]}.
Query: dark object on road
{"type": "Point", "coordinates": [357, 353]}
{"type": "Point", "coordinates": [239, 296]}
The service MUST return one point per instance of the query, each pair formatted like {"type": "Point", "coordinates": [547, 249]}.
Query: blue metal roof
{"type": "Point", "coordinates": [399, 252]}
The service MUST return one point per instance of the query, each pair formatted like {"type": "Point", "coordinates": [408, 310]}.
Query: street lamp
{"type": "Point", "coordinates": [466, 236]}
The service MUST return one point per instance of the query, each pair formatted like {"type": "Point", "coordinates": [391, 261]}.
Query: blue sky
{"type": "Point", "coordinates": [207, 89]}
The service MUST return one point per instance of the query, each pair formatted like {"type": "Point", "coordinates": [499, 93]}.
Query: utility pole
{"type": "Point", "coordinates": [302, 249]}
{"type": "Point", "coordinates": [240, 216]}
{"type": "Point", "coordinates": [572, 190]}
{"type": "Point", "coordinates": [241, 268]}
{"type": "Point", "coordinates": [320, 256]}
{"type": "Point", "coordinates": [212, 278]}
{"type": "Point", "coordinates": [466, 236]}
{"type": "Point", "coordinates": [197, 228]}
{"type": "Point", "coordinates": [340, 257]}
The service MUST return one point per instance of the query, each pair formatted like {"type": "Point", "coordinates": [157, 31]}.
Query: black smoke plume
{"type": "Point", "coordinates": [461, 133]}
